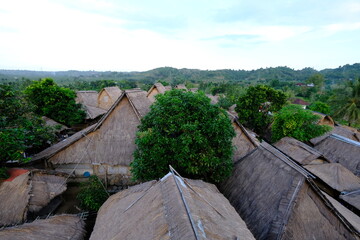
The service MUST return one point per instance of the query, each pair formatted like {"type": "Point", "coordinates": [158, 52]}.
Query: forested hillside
{"type": "Point", "coordinates": [176, 76]}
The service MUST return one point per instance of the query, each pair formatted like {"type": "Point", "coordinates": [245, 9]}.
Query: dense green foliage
{"type": "Point", "coordinates": [184, 130]}
{"type": "Point", "coordinates": [55, 102]}
{"type": "Point", "coordinates": [346, 102]}
{"type": "Point", "coordinates": [256, 106]}
{"type": "Point", "coordinates": [20, 129]}
{"type": "Point", "coordinates": [92, 194]}
{"type": "Point", "coordinates": [4, 173]}
{"type": "Point", "coordinates": [320, 107]}
{"type": "Point", "coordinates": [294, 121]}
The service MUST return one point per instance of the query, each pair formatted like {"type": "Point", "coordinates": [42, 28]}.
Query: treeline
{"type": "Point", "coordinates": [175, 76]}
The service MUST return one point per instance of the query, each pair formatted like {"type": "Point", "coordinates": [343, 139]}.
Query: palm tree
{"type": "Point", "coordinates": [347, 103]}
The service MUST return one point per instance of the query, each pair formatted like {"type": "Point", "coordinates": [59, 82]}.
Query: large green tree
{"type": "Point", "coordinates": [20, 130]}
{"type": "Point", "coordinates": [256, 106]}
{"type": "Point", "coordinates": [184, 130]}
{"type": "Point", "coordinates": [55, 102]}
{"type": "Point", "coordinates": [294, 121]}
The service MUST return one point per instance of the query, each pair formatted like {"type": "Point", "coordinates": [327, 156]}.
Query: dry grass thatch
{"type": "Point", "coordinates": [110, 141]}
{"type": "Point", "coordinates": [336, 176]}
{"type": "Point", "coordinates": [338, 149]}
{"type": "Point", "coordinates": [299, 151]}
{"type": "Point", "coordinates": [157, 88]}
{"type": "Point", "coordinates": [89, 101]}
{"type": "Point", "coordinates": [44, 188]}
{"type": "Point", "coordinates": [108, 96]}
{"type": "Point", "coordinates": [181, 86]}
{"type": "Point", "coordinates": [278, 200]}
{"type": "Point", "coordinates": [213, 99]}
{"type": "Point", "coordinates": [338, 130]}
{"type": "Point", "coordinates": [172, 208]}
{"type": "Point", "coordinates": [55, 228]}
{"type": "Point", "coordinates": [14, 199]}
{"type": "Point", "coordinates": [352, 198]}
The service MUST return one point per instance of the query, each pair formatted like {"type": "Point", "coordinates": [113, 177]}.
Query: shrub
{"type": "Point", "coordinates": [92, 194]}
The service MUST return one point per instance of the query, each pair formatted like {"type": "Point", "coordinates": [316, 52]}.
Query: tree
{"type": "Point", "coordinates": [320, 107]}
{"type": "Point", "coordinates": [256, 106]}
{"type": "Point", "coordinates": [294, 121]}
{"type": "Point", "coordinates": [346, 103]}
{"type": "Point", "coordinates": [92, 194]}
{"type": "Point", "coordinates": [318, 80]}
{"type": "Point", "coordinates": [55, 102]}
{"type": "Point", "coordinates": [184, 130]}
{"type": "Point", "coordinates": [20, 130]}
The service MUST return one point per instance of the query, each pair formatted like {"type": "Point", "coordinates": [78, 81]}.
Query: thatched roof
{"type": "Point", "coordinates": [14, 199]}
{"type": "Point", "coordinates": [181, 86]}
{"type": "Point", "coordinates": [87, 98]}
{"type": "Point", "coordinates": [336, 176]}
{"type": "Point", "coordinates": [51, 123]}
{"type": "Point", "coordinates": [352, 198]}
{"type": "Point", "coordinates": [214, 99]}
{"type": "Point", "coordinates": [243, 142]}
{"type": "Point", "coordinates": [279, 200]}
{"type": "Point", "coordinates": [193, 89]}
{"type": "Point", "coordinates": [110, 141]}
{"type": "Point", "coordinates": [113, 92]}
{"type": "Point", "coordinates": [172, 208]}
{"type": "Point", "coordinates": [108, 96]}
{"type": "Point", "coordinates": [299, 151]}
{"type": "Point", "coordinates": [44, 188]}
{"type": "Point", "coordinates": [324, 119]}
{"type": "Point", "coordinates": [338, 149]}
{"type": "Point", "coordinates": [157, 88]}
{"type": "Point", "coordinates": [338, 130]}
{"type": "Point", "coordinates": [89, 101]}
{"type": "Point", "coordinates": [55, 228]}
{"type": "Point", "coordinates": [28, 191]}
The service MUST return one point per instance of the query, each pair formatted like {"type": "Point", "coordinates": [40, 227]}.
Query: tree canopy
{"type": "Point", "coordinates": [55, 102]}
{"type": "Point", "coordinates": [184, 130]}
{"type": "Point", "coordinates": [20, 130]}
{"type": "Point", "coordinates": [256, 106]}
{"type": "Point", "coordinates": [294, 121]}
{"type": "Point", "coordinates": [321, 107]}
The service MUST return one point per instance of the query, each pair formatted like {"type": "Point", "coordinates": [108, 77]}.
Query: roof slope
{"type": "Point", "coordinates": [114, 92]}
{"type": "Point", "coordinates": [14, 199]}
{"type": "Point", "coordinates": [278, 200]}
{"type": "Point", "coordinates": [55, 228]}
{"type": "Point", "coordinates": [118, 126]}
{"type": "Point", "coordinates": [176, 208]}
{"type": "Point", "coordinates": [338, 149]}
{"type": "Point", "coordinates": [336, 176]}
{"type": "Point", "coordinates": [89, 101]}
{"type": "Point", "coordinates": [339, 130]}
{"type": "Point", "coordinates": [297, 150]}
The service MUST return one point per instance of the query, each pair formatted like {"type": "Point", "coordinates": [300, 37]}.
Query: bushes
{"type": "Point", "coordinates": [92, 194]}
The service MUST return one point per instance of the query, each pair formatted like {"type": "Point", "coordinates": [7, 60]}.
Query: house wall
{"type": "Point", "coordinates": [112, 144]}
{"type": "Point", "coordinates": [105, 101]}
{"type": "Point", "coordinates": [152, 94]}
{"type": "Point", "coordinates": [112, 175]}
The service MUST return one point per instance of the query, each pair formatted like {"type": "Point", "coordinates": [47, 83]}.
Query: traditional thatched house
{"type": "Point", "coordinates": [213, 99]}
{"type": "Point", "coordinates": [51, 123]}
{"type": "Point", "coordinates": [28, 191]}
{"type": "Point", "coordinates": [176, 208]}
{"type": "Point", "coordinates": [181, 86]}
{"type": "Point", "coordinates": [55, 228]}
{"type": "Point", "coordinates": [243, 142]}
{"type": "Point", "coordinates": [279, 200]}
{"type": "Point", "coordinates": [106, 148]}
{"type": "Point", "coordinates": [324, 119]}
{"type": "Point", "coordinates": [156, 89]}
{"type": "Point", "coordinates": [194, 89]}
{"type": "Point", "coordinates": [107, 97]}
{"type": "Point", "coordinates": [89, 101]}
{"type": "Point", "coordinates": [338, 149]}
{"type": "Point", "coordinates": [299, 101]}
{"type": "Point", "coordinates": [299, 151]}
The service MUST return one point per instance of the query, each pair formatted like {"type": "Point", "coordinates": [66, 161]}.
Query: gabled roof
{"type": "Point", "coordinates": [51, 123]}
{"type": "Point", "coordinates": [214, 99]}
{"type": "Point", "coordinates": [55, 228]}
{"type": "Point", "coordinates": [87, 98]}
{"type": "Point", "coordinates": [176, 208]}
{"type": "Point", "coordinates": [299, 151]}
{"type": "Point", "coordinates": [158, 86]}
{"type": "Point", "coordinates": [339, 149]}
{"type": "Point", "coordinates": [113, 92]}
{"type": "Point", "coordinates": [139, 102]}
{"type": "Point", "coordinates": [278, 199]}
{"type": "Point", "coordinates": [181, 86]}
{"type": "Point", "coordinates": [338, 130]}
{"type": "Point", "coordinates": [336, 176]}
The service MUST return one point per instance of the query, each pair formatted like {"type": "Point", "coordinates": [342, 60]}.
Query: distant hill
{"type": "Point", "coordinates": [174, 76]}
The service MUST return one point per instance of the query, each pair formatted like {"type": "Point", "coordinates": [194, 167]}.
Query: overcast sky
{"type": "Point", "coordinates": [138, 35]}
